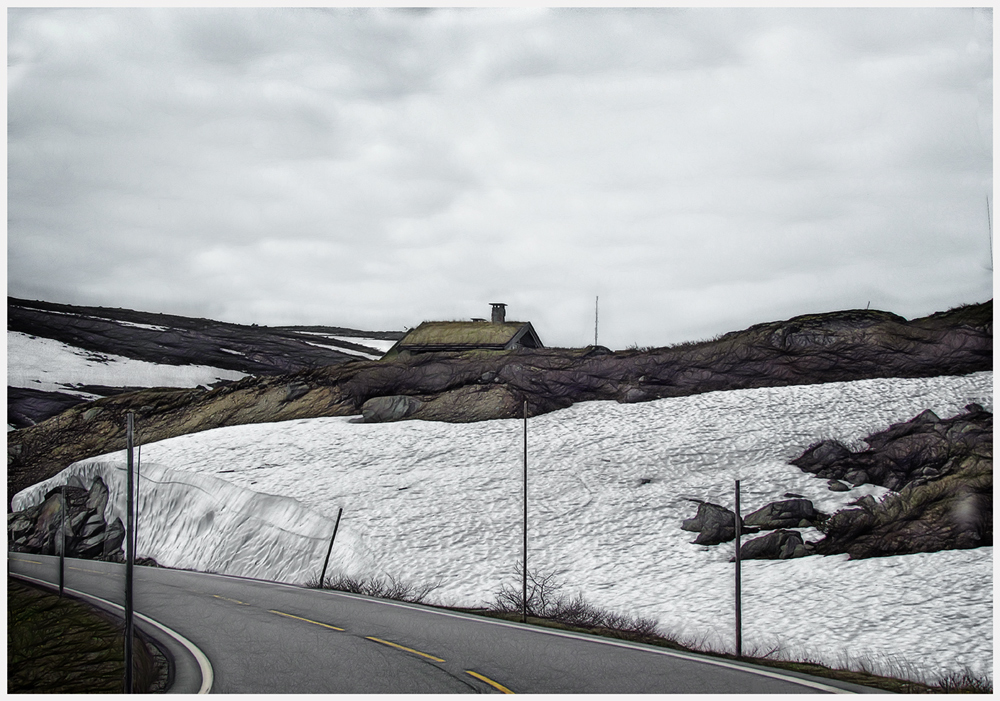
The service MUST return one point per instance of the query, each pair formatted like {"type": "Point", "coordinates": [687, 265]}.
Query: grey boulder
{"type": "Point", "coordinates": [791, 513]}
{"type": "Point", "coordinates": [777, 545]}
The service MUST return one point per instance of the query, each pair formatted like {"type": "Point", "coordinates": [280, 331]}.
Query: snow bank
{"type": "Point", "coordinates": [49, 365]}
{"type": "Point", "coordinates": [200, 522]}
{"type": "Point", "coordinates": [609, 484]}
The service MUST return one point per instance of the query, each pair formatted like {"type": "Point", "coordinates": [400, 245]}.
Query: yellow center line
{"type": "Point", "coordinates": [325, 625]}
{"type": "Point", "coordinates": [21, 559]}
{"type": "Point", "coordinates": [228, 599]}
{"type": "Point", "coordinates": [489, 681]}
{"type": "Point", "coordinates": [407, 649]}
{"type": "Point", "coordinates": [80, 569]}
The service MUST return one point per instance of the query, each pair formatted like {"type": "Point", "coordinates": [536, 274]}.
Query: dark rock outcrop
{"type": "Point", "coordinates": [714, 524]}
{"type": "Point", "coordinates": [479, 385]}
{"type": "Point", "coordinates": [922, 448]}
{"type": "Point", "coordinates": [941, 473]}
{"type": "Point", "coordinates": [777, 545]}
{"type": "Point", "coordinates": [40, 529]}
{"type": "Point", "coordinates": [792, 513]}
{"type": "Point", "coordinates": [26, 407]}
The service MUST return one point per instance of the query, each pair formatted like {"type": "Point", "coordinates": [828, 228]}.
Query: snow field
{"type": "Point", "coordinates": [200, 522]}
{"type": "Point", "coordinates": [46, 364]}
{"type": "Point", "coordinates": [609, 484]}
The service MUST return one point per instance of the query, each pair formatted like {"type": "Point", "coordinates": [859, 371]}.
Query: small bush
{"type": "Point", "coordinates": [387, 587]}
{"type": "Point", "coordinates": [965, 682]}
{"type": "Point", "coordinates": [544, 600]}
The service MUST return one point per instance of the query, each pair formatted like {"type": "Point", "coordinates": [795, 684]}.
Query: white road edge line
{"type": "Point", "coordinates": [207, 673]}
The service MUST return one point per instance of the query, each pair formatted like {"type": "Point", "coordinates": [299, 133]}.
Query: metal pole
{"type": "Point", "coordinates": [135, 523]}
{"type": "Point", "coordinates": [989, 222]}
{"type": "Point", "coordinates": [129, 553]}
{"type": "Point", "coordinates": [739, 612]}
{"type": "Point", "coordinates": [524, 569]}
{"type": "Point", "coordinates": [596, 300]}
{"type": "Point", "coordinates": [62, 542]}
{"type": "Point", "coordinates": [329, 550]}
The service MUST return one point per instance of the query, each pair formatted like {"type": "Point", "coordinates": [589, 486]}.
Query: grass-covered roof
{"type": "Point", "coordinates": [474, 334]}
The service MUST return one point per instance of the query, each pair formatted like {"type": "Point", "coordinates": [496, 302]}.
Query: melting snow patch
{"type": "Point", "coordinates": [47, 364]}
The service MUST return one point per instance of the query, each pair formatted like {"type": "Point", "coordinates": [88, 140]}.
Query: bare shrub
{"type": "Point", "coordinates": [545, 600]}
{"type": "Point", "coordinates": [965, 682]}
{"type": "Point", "coordinates": [387, 587]}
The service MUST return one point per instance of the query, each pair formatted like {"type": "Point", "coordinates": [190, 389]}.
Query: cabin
{"type": "Point", "coordinates": [497, 334]}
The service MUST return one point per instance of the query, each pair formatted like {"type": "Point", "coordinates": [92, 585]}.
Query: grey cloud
{"type": "Point", "coordinates": [379, 167]}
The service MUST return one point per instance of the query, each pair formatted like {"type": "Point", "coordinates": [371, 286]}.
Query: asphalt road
{"type": "Point", "coordinates": [262, 637]}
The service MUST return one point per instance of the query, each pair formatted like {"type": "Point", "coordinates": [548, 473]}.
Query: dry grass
{"type": "Point", "coordinates": [60, 646]}
{"type": "Point", "coordinates": [387, 587]}
{"type": "Point", "coordinates": [547, 607]}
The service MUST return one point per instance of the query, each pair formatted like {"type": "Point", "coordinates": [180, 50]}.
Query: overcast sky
{"type": "Point", "coordinates": [699, 170]}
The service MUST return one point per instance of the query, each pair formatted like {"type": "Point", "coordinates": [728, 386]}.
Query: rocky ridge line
{"type": "Point", "coordinates": [482, 385]}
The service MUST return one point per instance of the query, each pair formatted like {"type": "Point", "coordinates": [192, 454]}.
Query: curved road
{"type": "Point", "coordinates": [263, 637]}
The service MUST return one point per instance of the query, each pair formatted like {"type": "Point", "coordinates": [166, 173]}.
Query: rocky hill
{"type": "Point", "coordinates": [99, 335]}
{"type": "Point", "coordinates": [940, 476]}
{"type": "Point", "coordinates": [480, 385]}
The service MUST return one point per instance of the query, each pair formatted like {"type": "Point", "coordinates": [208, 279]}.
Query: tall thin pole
{"type": "Point", "coordinates": [596, 302]}
{"type": "Point", "coordinates": [129, 552]}
{"type": "Point", "coordinates": [135, 522]}
{"type": "Point", "coordinates": [329, 550]}
{"type": "Point", "coordinates": [524, 560]}
{"type": "Point", "coordinates": [62, 541]}
{"type": "Point", "coordinates": [989, 222]}
{"type": "Point", "coordinates": [739, 612]}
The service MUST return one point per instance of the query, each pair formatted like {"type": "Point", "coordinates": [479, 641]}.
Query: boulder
{"type": "Point", "coordinates": [714, 524]}
{"type": "Point", "coordinates": [777, 545]}
{"type": "Point", "coordinates": [93, 526]}
{"type": "Point", "coordinates": [97, 497]}
{"type": "Point", "coordinates": [791, 513]}
{"type": "Point", "coordinates": [471, 403]}
{"type": "Point", "coordinates": [114, 536]}
{"type": "Point", "coordinates": [44, 527]}
{"type": "Point", "coordinates": [822, 455]}
{"type": "Point", "coordinates": [837, 486]}
{"type": "Point", "coordinates": [385, 409]}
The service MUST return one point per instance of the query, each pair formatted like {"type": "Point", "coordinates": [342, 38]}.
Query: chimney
{"type": "Point", "coordinates": [499, 313]}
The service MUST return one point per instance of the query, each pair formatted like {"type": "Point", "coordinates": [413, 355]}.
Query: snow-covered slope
{"type": "Point", "coordinates": [201, 522]}
{"type": "Point", "coordinates": [59, 355]}
{"type": "Point", "coordinates": [50, 365]}
{"type": "Point", "coordinates": [609, 485]}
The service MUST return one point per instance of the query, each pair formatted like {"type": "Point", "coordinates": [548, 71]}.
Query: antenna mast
{"type": "Point", "coordinates": [598, 299]}
{"type": "Point", "coordinates": [989, 222]}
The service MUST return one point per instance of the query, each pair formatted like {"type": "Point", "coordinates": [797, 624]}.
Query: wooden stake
{"type": "Point", "coordinates": [329, 550]}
